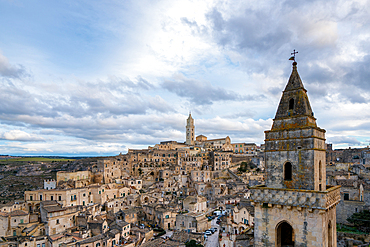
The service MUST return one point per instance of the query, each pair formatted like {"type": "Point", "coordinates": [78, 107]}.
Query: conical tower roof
{"type": "Point", "coordinates": [295, 81]}
{"type": "Point", "coordinates": [294, 101]}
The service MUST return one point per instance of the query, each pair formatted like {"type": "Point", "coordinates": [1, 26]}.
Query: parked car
{"type": "Point", "coordinates": [208, 232]}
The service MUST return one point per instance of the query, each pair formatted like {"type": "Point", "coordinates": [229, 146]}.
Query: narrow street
{"type": "Point", "coordinates": [212, 240]}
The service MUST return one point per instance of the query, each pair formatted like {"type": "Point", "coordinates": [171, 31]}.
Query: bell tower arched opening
{"type": "Point", "coordinates": [288, 171]}
{"type": "Point", "coordinates": [291, 104]}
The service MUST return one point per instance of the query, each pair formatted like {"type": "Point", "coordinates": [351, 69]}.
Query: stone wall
{"type": "Point", "coordinates": [296, 198]}
{"type": "Point", "coordinates": [346, 208]}
{"type": "Point", "coordinates": [304, 149]}
{"type": "Point", "coordinates": [310, 227]}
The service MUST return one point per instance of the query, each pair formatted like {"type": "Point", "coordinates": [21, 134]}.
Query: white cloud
{"type": "Point", "coordinates": [18, 135]}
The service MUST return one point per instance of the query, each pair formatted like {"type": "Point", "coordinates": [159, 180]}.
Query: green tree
{"type": "Point", "coordinates": [361, 220]}
{"type": "Point", "coordinates": [243, 167]}
{"type": "Point", "coordinates": [193, 243]}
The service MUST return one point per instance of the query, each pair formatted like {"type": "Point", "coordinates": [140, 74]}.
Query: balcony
{"type": "Point", "coordinates": [296, 197]}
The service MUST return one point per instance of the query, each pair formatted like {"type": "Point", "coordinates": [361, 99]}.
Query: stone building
{"type": "Point", "coordinates": [220, 160]}
{"type": "Point", "coordinates": [223, 144]}
{"type": "Point", "coordinates": [295, 207]}
{"type": "Point", "coordinates": [352, 198]}
{"type": "Point", "coordinates": [195, 204]}
{"type": "Point", "coordinates": [192, 222]}
{"type": "Point", "coordinates": [190, 130]}
{"type": "Point", "coordinates": [245, 148]}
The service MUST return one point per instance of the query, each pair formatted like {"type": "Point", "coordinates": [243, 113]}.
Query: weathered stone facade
{"type": "Point", "coordinates": [295, 207]}
{"type": "Point", "coordinates": [190, 132]}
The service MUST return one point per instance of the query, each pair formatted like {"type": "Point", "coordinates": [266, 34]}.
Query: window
{"type": "Point", "coordinates": [51, 198]}
{"type": "Point", "coordinates": [57, 221]}
{"type": "Point", "coordinates": [60, 198]}
{"type": "Point", "coordinates": [21, 221]}
{"type": "Point", "coordinates": [167, 216]}
{"type": "Point", "coordinates": [291, 104]}
{"type": "Point", "coordinates": [31, 198]}
{"type": "Point", "coordinates": [346, 196]}
{"type": "Point", "coordinates": [38, 245]}
{"type": "Point", "coordinates": [40, 197]}
{"type": "Point", "coordinates": [43, 245]}
{"type": "Point", "coordinates": [288, 171]}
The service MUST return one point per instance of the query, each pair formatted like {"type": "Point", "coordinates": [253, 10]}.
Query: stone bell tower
{"type": "Point", "coordinates": [190, 130]}
{"type": "Point", "coordinates": [295, 207]}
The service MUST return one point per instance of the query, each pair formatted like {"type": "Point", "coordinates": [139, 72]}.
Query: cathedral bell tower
{"type": "Point", "coordinates": [295, 207]}
{"type": "Point", "coordinates": [190, 130]}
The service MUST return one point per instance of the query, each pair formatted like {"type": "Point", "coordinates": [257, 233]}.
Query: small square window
{"type": "Point", "coordinates": [346, 196]}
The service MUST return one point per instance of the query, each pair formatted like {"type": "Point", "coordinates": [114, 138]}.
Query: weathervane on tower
{"type": "Point", "coordinates": [293, 57]}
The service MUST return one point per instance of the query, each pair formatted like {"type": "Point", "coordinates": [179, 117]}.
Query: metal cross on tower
{"type": "Point", "coordinates": [293, 53]}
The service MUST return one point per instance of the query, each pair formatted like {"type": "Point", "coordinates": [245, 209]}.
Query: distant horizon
{"type": "Point", "coordinates": [124, 152]}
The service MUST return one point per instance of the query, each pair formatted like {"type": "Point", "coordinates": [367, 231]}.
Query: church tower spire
{"type": "Point", "coordinates": [190, 132]}
{"type": "Point", "coordinates": [296, 140]}
{"type": "Point", "coordinates": [295, 207]}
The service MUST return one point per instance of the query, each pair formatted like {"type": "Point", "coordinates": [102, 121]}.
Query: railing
{"type": "Point", "coordinates": [296, 197]}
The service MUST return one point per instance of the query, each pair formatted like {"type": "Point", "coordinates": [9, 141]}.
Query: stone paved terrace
{"type": "Point", "coordinates": [296, 198]}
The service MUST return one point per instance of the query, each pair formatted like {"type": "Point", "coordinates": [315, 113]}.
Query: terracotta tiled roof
{"type": "Point", "coordinates": [18, 213]}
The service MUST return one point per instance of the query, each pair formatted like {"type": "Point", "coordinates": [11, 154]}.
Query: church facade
{"type": "Point", "coordinates": [295, 207]}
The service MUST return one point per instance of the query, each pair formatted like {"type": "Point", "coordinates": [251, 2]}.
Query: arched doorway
{"type": "Point", "coordinates": [330, 235]}
{"type": "Point", "coordinates": [284, 235]}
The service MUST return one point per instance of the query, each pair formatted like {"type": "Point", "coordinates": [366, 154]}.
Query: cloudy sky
{"type": "Point", "coordinates": [99, 77]}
